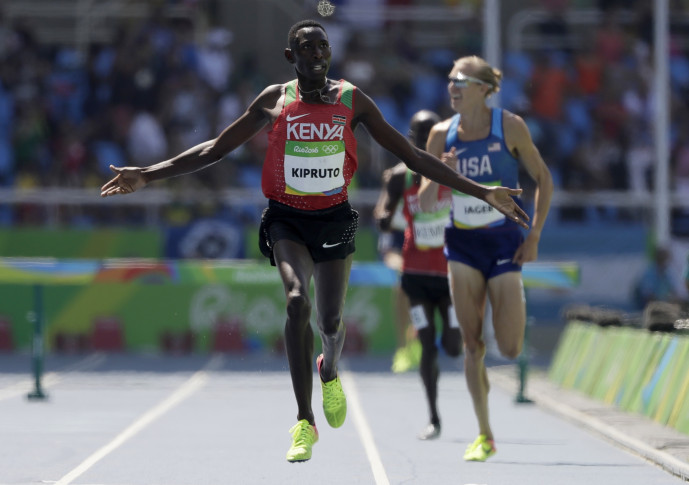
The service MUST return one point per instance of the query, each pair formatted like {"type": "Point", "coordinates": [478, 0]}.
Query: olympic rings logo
{"type": "Point", "coordinates": [330, 149]}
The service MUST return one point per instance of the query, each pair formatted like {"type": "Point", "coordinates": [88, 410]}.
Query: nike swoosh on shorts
{"type": "Point", "coordinates": [326, 245]}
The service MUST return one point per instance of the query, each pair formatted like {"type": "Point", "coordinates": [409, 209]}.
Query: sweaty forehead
{"type": "Point", "coordinates": [310, 33]}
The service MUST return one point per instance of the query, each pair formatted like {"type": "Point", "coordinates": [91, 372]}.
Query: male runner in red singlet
{"type": "Point", "coordinates": [424, 266]}
{"type": "Point", "coordinates": [308, 229]}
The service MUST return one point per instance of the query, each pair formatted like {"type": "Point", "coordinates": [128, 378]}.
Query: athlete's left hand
{"type": "Point", "coordinates": [501, 199]}
{"type": "Point", "coordinates": [527, 250]}
{"type": "Point", "coordinates": [450, 158]}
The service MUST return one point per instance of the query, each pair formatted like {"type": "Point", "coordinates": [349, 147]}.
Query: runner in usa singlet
{"type": "Point", "coordinates": [489, 162]}
{"type": "Point", "coordinates": [311, 156]}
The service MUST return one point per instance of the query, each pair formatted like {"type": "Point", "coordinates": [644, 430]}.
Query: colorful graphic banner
{"type": "Point", "coordinates": [205, 304]}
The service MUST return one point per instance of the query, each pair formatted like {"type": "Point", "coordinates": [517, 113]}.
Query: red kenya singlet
{"type": "Point", "coordinates": [424, 237]}
{"type": "Point", "coordinates": [311, 155]}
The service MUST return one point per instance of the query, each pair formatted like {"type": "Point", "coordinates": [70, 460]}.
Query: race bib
{"type": "Point", "coordinates": [315, 167]}
{"type": "Point", "coordinates": [429, 229]}
{"type": "Point", "coordinates": [469, 212]}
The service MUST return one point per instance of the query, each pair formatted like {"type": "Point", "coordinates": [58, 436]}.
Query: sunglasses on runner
{"type": "Point", "coordinates": [462, 81]}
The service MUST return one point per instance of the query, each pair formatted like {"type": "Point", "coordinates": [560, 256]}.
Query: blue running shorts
{"type": "Point", "coordinates": [489, 251]}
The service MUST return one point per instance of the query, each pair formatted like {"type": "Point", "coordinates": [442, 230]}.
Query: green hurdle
{"type": "Point", "coordinates": [37, 351]}
{"type": "Point", "coordinates": [523, 366]}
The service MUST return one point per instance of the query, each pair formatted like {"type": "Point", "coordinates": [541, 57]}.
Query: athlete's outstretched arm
{"type": "Point", "coordinates": [366, 112]}
{"type": "Point", "coordinates": [257, 115]}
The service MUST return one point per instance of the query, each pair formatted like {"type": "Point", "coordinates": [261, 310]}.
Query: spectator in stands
{"type": "Point", "coordinates": [685, 275]}
{"type": "Point", "coordinates": [146, 140]}
{"type": "Point", "coordinates": [547, 90]}
{"type": "Point", "coordinates": [655, 283]}
{"type": "Point", "coordinates": [588, 69]}
{"type": "Point", "coordinates": [6, 122]}
{"type": "Point", "coordinates": [596, 159]}
{"type": "Point", "coordinates": [215, 59]}
{"type": "Point", "coordinates": [187, 103]}
{"type": "Point", "coordinates": [549, 86]}
{"type": "Point", "coordinates": [680, 169]}
{"type": "Point", "coordinates": [639, 157]}
{"type": "Point", "coordinates": [554, 28]}
{"type": "Point", "coordinates": [67, 87]}
{"type": "Point", "coordinates": [32, 142]}
{"type": "Point", "coordinates": [134, 70]}
{"type": "Point", "coordinates": [680, 158]}
{"type": "Point", "coordinates": [610, 39]}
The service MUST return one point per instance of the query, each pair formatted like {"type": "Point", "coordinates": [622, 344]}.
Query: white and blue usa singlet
{"type": "Point", "coordinates": [487, 161]}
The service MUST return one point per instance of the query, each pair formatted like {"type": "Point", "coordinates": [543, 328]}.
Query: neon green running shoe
{"type": "Point", "coordinates": [480, 450]}
{"type": "Point", "coordinates": [304, 436]}
{"type": "Point", "coordinates": [407, 358]}
{"type": "Point", "coordinates": [401, 362]}
{"type": "Point", "coordinates": [334, 399]}
{"type": "Point", "coordinates": [414, 351]}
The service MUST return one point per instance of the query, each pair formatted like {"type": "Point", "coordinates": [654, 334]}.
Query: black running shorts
{"type": "Point", "coordinates": [425, 288]}
{"type": "Point", "coordinates": [327, 233]}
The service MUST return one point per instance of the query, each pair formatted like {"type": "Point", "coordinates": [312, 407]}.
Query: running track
{"type": "Point", "coordinates": [203, 420]}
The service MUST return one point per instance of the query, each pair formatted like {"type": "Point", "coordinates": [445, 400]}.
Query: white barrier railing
{"type": "Point", "coordinates": [152, 199]}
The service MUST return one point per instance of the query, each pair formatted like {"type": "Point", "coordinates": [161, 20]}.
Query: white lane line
{"type": "Point", "coordinates": [193, 384]}
{"type": "Point", "coordinates": [362, 427]}
{"type": "Point", "coordinates": [664, 460]}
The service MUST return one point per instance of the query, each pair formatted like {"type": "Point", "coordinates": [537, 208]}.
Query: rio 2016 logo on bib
{"type": "Point", "coordinates": [314, 167]}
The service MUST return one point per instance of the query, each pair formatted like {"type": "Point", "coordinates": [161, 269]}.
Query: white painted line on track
{"type": "Point", "coordinates": [193, 384]}
{"type": "Point", "coordinates": [664, 460]}
{"type": "Point", "coordinates": [362, 427]}
{"type": "Point", "coordinates": [613, 433]}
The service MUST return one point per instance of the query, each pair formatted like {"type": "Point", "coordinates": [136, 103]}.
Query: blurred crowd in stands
{"type": "Point", "coordinates": [65, 115]}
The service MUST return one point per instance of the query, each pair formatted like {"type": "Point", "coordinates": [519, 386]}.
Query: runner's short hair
{"type": "Point", "coordinates": [292, 35]}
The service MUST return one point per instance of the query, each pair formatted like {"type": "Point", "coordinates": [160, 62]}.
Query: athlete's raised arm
{"type": "Point", "coordinates": [261, 111]}
{"type": "Point", "coordinates": [420, 161]}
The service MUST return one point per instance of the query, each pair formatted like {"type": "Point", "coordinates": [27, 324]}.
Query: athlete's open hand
{"type": "Point", "coordinates": [450, 158]}
{"type": "Point", "coordinates": [501, 199]}
{"type": "Point", "coordinates": [127, 180]}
